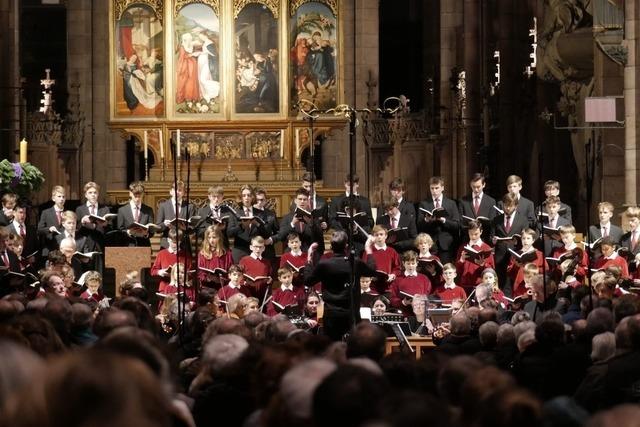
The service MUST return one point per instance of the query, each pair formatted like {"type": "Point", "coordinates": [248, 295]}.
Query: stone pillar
{"type": "Point", "coordinates": [360, 59]}
{"type": "Point", "coordinates": [451, 21]}
{"type": "Point", "coordinates": [473, 58]}
{"type": "Point", "coordinates": [10, 98]}
{"type": "Point", "coordinates": [631, 81]}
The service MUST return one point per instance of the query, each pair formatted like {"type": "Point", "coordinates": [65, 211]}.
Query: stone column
{"type": "Point", "coordinates": [10, 98]}
{"type": "Point", "coordinates": [631, 81]}
{"type": "Point", "coordinates": [451, 20]}
{"type": "Point", "coordinates": [473, 58]}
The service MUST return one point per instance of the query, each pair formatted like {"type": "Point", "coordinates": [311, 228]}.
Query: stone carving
{"type": "Point", "coordinates": [121, 5]}
{"type": "Point", "coordinates": [331, 4]}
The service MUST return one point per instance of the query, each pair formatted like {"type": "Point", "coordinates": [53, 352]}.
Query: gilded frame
{"type": "Point", "coordinates": [166, 11]}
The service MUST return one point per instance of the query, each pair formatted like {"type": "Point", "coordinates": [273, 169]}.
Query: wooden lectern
{"type": "Point", "coordinates": [125, 259]}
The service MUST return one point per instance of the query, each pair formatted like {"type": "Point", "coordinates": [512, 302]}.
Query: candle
{"type": "Point", "coordinates": [23, 151]}
{"type": "Point", "coordinates": [146, 145]}
{"type": "Point", "coordinates": [161, 144]}
{"type": "Point", "coordinates": [178, 142]}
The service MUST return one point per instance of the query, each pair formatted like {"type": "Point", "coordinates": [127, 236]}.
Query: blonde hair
{"type": "Point", "coordinates": [89, 185]}
{"type": "Point", "coordinates": [207, 251]}
{"type": "Point", "coordinates": [69, 215]}
{"type": "Point", "coordinates": [58, 189]}
{"type": "Point", "coordinates": [423, 238]}
{"type": "Point", "coordinates": [236, 304]}
{"type": "Point", "coordinates": [376, 228]}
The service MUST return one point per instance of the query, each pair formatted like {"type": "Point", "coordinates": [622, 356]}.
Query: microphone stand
{"type": "Point", "coordinates": [177, 207]}
{"type": "Point", "coordinates": [541, 220]}
{"type": "Point", "coordinates": [189, 253]}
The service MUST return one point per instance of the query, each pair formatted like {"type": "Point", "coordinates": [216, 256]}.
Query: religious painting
{"type": "Point", "coordinates": [247, 145]}
{"type": "Point", "coordinates": [256, 59]}
{"type": "Point", "coordinates": [314, 56]}
{"type": "Point", "coordinates": [197, 60]}
{"type": "Point", "coordinates": [139, 87]}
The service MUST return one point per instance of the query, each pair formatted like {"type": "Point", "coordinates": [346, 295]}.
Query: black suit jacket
{"type": "Point", "coordinates": [312, 233]}
{"type": "Point", "coordinates": [5, 281]}
{"type": "Point", "coordinates": [242, 235]}
{"type": "Point", "coordinates": [412, 232]}
{"type": "Point", "coordinates": [96, 234]}
{"type": "Point", "coordinates": [405, 207]}
{"type": "Point", "coordinates": [549, 244]}
{"type": "Point", "coordinates": [166, 210]}
{"type": "Point", "coordinates": [334, 273]}
{"type": "Point", "coordinates": [615, 233]}
{"type": "Point", "coordinates": [336, 206]}
{"type": "Point", "coordinates": [564, 212]}
{"type": "Point", "coordinates": [525, 209]}
{"type": "Point", "coordinates": [126, 218]}
{"type": "Point", "coordinates": [30, 243]}
{"type": "Point", "coordinates": [445, 235]}
{"type": "Point", "coordinates": [519, 223]}
{"type": "Point", "coordinates": [625, 241]}
{"type": "Point", "coordinates": [48, 218]}
{"type": "Point", "coordinates": [465, 206]}
{"type": "Point", "coordinates": [271, 230]}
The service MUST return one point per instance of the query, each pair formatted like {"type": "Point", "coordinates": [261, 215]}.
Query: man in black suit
{"type": "Point", "coordinates": [605, 227]}
{"type": "Point", "coordinates": [552, 188]}
{"type": "Point", "coordinates": [337, 202]}
{"type": "Point", "coordinates": [167, 213]}
{"type": "Point", "coordinates": [135, 211]}
{"type": "Point", "coordinates": [94, 230]}
{"type": "Point", "coordinates": [444, 225]}
{"type": "Point", "coordinates": [50, 223]}
{"type": "Point", "coordinates": [506, 225]}
{"type": "Point", "coordinates": [631, 239]}
{"type": "Point", "coordinates": [271, 226]}
{"type": "Point", "coordinates": [406, 208]}
{"type": "Point", "coordinates": [243, 230]}
{"type": "Point", "coordinates": [307, 228]}
{"type": "Point", "coordinates": [478, 204]}
{"type": "Point", "coordinates": [20, 228]}
{"type": "Point", "coordinates": [404, 226]}
{"type": "Point", "coordinates": [525, 206]}
{"type": "Point", "coordinates": [215, 213]}
{"type": "Point", "coordinates": [553, 220]}
{"type": "Point", "coordinates": [8, 262]}
{"type": "Point", "coordinates": [341, 299]}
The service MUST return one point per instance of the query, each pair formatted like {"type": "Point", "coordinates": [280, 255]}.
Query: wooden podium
{"type": "Point", "coordinates": [124, 259]}
{"type": "Point", "coordinates": [417, 343]}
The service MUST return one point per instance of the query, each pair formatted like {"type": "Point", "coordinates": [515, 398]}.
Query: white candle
{"type": "Point", "coordinates": [23, 151]}
{"type": "Point", "coordinates": [161, 144]}
{"type": "Point", "coordinates": [281, 144]}
{"type": "Point", "coordinates": [146, 145]}
{"type": "Point", "coordinates": [178, 142]}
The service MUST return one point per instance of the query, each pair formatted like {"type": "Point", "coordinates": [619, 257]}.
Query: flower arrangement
{"type": "Point", "coordinates": [20, 178]}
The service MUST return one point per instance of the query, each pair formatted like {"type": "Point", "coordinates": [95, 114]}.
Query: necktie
{"type": "Point", "coordinates": [394, 223]}
{"type": "Point", "coordinates": [507, 224]}
{"type": "Point", "coordinates": [5, 258]}
{"type": "Point", "coordinates": [92, 209]}
{"type": "Point", "coordinates": [605, 231]}
{"type": "Point", "coordinates": [136, 213]}
{"type": "Point", "coordinates": [21, 230]}
{"type": "Point", "coordinates": [436, 203]}
{"type": "Point", "coordinates": [553, 223]}
{"type": "Point", "coordinates": [476, 205]}
{"type": "Point", "coordinates": [246, 212]}
{"type": "Point", "coordinates": [301, 227]}
{"type": "Point", "coordinates": [59, 216]}
{"type": "Point", "coordinates": [634, 239]}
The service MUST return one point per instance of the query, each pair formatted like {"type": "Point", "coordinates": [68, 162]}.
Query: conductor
{"type": "Point", "coordinates": [341, 299]}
